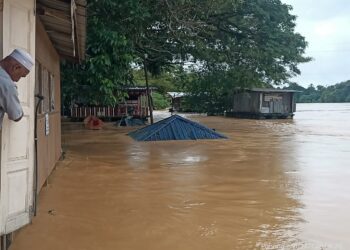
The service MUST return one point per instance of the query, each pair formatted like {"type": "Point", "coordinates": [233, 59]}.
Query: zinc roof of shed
{"type": "Point", "coordinates": [271, 90]}
{"type": "Point", "coordinates": [139, 88]}
{"type": "Point", "coordinates": [175, 128]}
{"type": "Point", "coordinates": [176, 94]}
{"type": "Point", "coordinates": [65, 23]}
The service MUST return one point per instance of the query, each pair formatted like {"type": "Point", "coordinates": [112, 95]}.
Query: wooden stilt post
{"type": "Point", "coordinates": [150, 103]}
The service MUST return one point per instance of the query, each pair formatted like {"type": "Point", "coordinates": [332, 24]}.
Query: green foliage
{"type": "Point", "coordinates": [170, 79]}
{"type": "Point", "coordinates": [100, 78]}
{"type": "Point", "coordinates": [232, 43]}
{"type": "Point", "coordinates": [160, 101]}
{"type": "Point", "coordinates": [336, 93]}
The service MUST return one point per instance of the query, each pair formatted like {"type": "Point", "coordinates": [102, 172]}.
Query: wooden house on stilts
{"type": "Point", "coordinates": [50, 31]}
{"type": "Point", "coordinates": [258, 103]}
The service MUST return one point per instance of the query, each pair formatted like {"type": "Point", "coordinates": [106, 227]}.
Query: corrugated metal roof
{"type": "Point", "coordinates": [138, 88]}
{"type": "Point", "coordinates": [175, 128]}
{"type": "Point", "coordinates": [176, 94]}
{"type": "Point", "coordinates": [65, 23]}
{"type": "Point", "coordinates": [271, 90]}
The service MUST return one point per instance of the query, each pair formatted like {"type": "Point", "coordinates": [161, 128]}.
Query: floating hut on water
{"type": "Point", "coordinates": [259, 103]}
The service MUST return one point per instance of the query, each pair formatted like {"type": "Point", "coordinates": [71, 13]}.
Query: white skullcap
{"type": "Point", "coordinates": [23, 57]}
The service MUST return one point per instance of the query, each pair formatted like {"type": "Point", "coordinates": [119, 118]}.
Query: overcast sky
{"type": "Point", "coordinates": [326, 26]}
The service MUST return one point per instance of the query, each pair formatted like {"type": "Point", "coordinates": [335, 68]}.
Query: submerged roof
{"type": "Point", "coordinates": [175, 128]}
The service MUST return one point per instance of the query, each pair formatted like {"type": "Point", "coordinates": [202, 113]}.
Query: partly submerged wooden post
{"type": "Point", "coordinates": [150, 103]}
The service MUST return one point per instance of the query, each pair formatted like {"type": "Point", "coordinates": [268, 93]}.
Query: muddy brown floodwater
{"type": "Point", "coordinates": [272, 185]}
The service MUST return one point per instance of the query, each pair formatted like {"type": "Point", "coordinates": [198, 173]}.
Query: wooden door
{"type": "Point", "coordinates": [17, 140]}
{"type": "Point", "coordinates": [277, 106]}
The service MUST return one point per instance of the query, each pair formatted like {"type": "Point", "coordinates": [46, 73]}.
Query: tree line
{"type": "Point", "coordinates": [336, 93]}
{"type": "Point", "coordinates": [208, 47]}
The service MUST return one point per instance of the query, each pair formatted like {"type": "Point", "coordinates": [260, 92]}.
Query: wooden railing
{"type": "Point", "coordinates": [110, 112]}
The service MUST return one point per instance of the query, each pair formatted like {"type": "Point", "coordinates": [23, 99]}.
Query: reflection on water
{"type": "Point", "coordinates": [275, 184]}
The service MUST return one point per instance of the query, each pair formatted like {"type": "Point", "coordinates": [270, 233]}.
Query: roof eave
{"type": "Point", "coordinates": [65, 23]}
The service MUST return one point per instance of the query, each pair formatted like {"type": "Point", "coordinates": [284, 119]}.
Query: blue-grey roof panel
{"type": "Point", "coordinates": [175, 128]}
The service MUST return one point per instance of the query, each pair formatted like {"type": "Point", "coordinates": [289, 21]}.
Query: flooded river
{"type": "Point", "coordinates": [274, 184]}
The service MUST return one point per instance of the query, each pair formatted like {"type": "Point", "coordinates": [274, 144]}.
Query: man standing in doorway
{"type": "Point", "coordinates": [12, 68]}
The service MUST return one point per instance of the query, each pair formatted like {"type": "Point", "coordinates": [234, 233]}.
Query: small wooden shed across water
{"type": "Point", "coordinates": [259, 103]}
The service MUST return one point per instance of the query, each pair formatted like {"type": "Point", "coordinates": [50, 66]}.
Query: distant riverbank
{"type": "Point", "coordinates": [338, 93]}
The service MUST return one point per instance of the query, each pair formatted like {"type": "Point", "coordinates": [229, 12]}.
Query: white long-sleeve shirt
{"type": "Point", "coordinates": [9, 102]}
